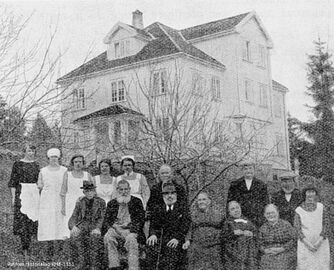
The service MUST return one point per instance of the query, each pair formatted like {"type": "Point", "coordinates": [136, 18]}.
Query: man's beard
{"type": "Point", "coordinates": [123, 199]}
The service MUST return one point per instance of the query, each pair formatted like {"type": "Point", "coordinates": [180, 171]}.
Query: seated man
{"type": "Point", "coordinates": [123, 223]}
{"type": "Point", "coordinates": [169, 225]}
{"type": "Point", "coordinates": [85, 226]}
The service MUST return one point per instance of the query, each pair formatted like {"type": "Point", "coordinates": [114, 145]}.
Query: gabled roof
{"type": "Point", "coordinates": [165, 41]}
{"type": "Point", "coordinates": [279, 87]}
{"type": "Point", "coordinates": [213, 27]}
{"type": "Point", "coordinates": [111, 110]}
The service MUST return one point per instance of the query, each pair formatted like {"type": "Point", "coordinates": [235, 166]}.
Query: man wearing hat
{"type": "Point", "coordinates": [251, 193]}
{"type": "Point", "coordinates": [85, 226]}
{"type": "Point", "coordinates": [169, 225]}
{"type": "Point", "coordinates": [123, 225]}
{"type": "Point", "coordinates": [288, 198]}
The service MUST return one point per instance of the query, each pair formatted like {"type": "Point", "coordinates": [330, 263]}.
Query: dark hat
{"type": "Point", "coordinates": [86, 185]}
{"type": "Point", "coordinates": [167, 188]}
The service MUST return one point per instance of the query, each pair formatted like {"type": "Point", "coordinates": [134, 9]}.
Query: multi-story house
{"type": "Point", "coordinates": [224, 64]}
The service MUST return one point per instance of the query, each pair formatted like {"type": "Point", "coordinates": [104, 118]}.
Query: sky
{"type": "Point", "coordinates": [82, 25]}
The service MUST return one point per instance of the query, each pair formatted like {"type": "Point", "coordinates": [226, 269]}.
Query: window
{"type": "Point", "coordinates": [277, 106]}
{"type": "Point", "coordinates": [262, 56]}
{"type": "Point", "coordinates": [279, 144]}
{"type": "Point", "coordinates": [79, 98]}
{"type": "Point", "coordinates": [133, 131]}
{"type": "Point", "coordinates": [162, 123]}
{"type": "Point", "coordinates": [246, 51]}
{"type": "Point", "coordinates": [160, 82]}
{"type": "Point", "coordinates": [198, 83]}
{"type": "Point", "coordinates": [122, 48]}
{"type": "Point", "coordinates": [263, 95]}
{"type": "Point", "coordinates": [117, 132]}
{"type": "Point", "coordinates": [215, 88]}
{"type": "Point", "coordinates": [117, 91]}
{"type": "Point", "coordinates": [76, 137]}
{"type": "Point", "coordinates": [219, 130]}
{"type": "Point", "coordinates": [86, 137]}
{"type": "Point", "coordinates": [249, 95]}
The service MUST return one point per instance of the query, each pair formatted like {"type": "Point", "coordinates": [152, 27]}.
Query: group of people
{"type": "Point", "coordinates": [120, 216]}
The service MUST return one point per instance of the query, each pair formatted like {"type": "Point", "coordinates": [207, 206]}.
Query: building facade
{"type": "Point", "coordinates": [149, 75]}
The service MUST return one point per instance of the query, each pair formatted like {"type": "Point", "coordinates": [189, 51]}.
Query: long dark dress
{"type": "Point", "coordinates": [23, 172]}
{"type": "Point", "coordinates": [239, 250]}
{"type": "Point", "coordinates": [283, 235]}
{"type": "Point", "coordinates": [205, 234]}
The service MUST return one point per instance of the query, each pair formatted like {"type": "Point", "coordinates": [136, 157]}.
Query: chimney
{"type": "Point", "coordinates": [137, 19]}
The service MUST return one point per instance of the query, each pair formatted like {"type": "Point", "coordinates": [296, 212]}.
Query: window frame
{"type": "Point", "coordinates": [159, 82]}
{"type": "Point", "coordinates": [249, 91]}
{"type": "Point", "coordinates": [264, 95]}
{"type": "Point", "coordinates": [118, 91]}
{"type": "Point", "coordinates": [216, 90]}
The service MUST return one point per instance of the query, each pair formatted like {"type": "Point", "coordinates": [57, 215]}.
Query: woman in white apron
{"type": "Point", "coordinates": [137, 181]}
{"type": "Point", "coordinates": [104, 181]}
{"type": "Point", "coordinates": [70, 190]}
{"type": "Point", "coordinates": [313, 228]}
{"type": "Point", "coordinates": [51, 222]}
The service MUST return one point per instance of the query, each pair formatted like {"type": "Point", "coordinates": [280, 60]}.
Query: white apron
{"type": "Point", "coordinates": [74, 192]}
{"type": "Point", "coordinates": [104, 191]}
{"type": "Point", "coordinates": [29, 200]}
{"type": "Point", "coordinates": [311, 228]}
{"type": "Point", "coordinates": [51, 222]}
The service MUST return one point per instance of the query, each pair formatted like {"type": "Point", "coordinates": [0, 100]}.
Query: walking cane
{"type": "Point", "coordinates": [159, 250]}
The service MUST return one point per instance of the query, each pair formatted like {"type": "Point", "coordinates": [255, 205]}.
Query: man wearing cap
{"type": "Point", "coordinates": [169, 225]}
{"type": "Point", "coordinates": [156, 198]}
{"type": "Point", "coordinates": [85, 226]}
{"type": "Point", "coordinates": [251, 193]}
{"type": "Point", "coordinates": [288, 198]}
{"type": "Point", "coordinates": [123, 225]}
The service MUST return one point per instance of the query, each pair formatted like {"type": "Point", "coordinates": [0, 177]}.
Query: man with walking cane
{"type": "Point", "coordinates": [169, 225]}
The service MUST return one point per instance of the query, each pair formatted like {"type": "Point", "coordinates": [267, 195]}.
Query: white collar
{"type": "Point", "coordinates": [130, 174]}
{"type": "Point", "coordinates": [171, 207]}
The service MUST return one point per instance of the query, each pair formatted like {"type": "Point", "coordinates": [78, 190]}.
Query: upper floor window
{"type": "Point", "coordinates": [122, 48]}
{"type": "Point", "coordinates": [160, 82]}
{"type": "Point", "coordinates": [215, 88]}
{"type": "Point", "coordinates": [263, 95]}
{"type": "Point", "coordinates": [197, 83]}
{"type": "Point", "coordinates": [249, 95]}
{"type": "Point", "coordinates": [246, 51]}
{"type": "Point", "coordinates": [262, 56]}
{"type": "Point", "coordinates": [117, 91]}
{"type": "Point", "coordinates": [79, 98]}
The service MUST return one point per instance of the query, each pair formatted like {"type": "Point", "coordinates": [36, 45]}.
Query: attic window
{"type": "Point", "coordinates": [122, 48]}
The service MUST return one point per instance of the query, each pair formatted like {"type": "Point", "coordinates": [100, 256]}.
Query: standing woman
{"type": "Point", "coordinates": [24, 173]}
{"type": "Point", "coordinates": [313, 228]}
{"type": "Point", "coordinates": [70, 190]}
{"type": "Point", "coordinates": [204, 237]}
{"type": "Point", "coordinates": [51, 222]}
{"type": "Point", "coordinates": [137, 181]}
{"type": "Point", "coordinates": [104, 181]}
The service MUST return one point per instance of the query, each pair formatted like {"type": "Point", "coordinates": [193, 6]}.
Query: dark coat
{"type": "Point", "coordinates": [78, 216]}
{"type": "Point", "coordinates": [287, 209]}
{"type": "Point", "coordinates": [137, 216]}
{"type": "Point", "coordinates": [157, 199]}
{"type": "Point", "coordinates": [172, 224]}
{"type": "Point", "coordinates": [252, 201]}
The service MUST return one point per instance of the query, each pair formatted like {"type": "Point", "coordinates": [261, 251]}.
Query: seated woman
{"type": "Point", "coordinates": [277, 242]}
{"type": "Point", "coordinates": [239, 240]}
{"type": "Point", "coordinates": [313, 228]}
{"type": "Point", "coordinates": [204, 236]}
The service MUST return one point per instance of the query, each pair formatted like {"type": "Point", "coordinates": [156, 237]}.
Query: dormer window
{"type": "Point", "coordinates": [122, 48]}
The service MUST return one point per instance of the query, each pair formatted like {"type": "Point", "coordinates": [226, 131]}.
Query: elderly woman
{"type": "Point", "coordinates": [24, 176]}
{"type": "Point", "coordinates": [104, 181]}
{"type": "Point", "coordinates": [204, 237]}
{"type": "Point", "coordinates": [277, 242]}
{"type": "Point", "coordinates": [238, 239]}
{"type": "Point", "coordinates": [313, 228]}
{"type": "Point", "coordinates": [51, 222]}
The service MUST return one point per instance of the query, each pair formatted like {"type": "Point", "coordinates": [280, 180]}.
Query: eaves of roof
{"type": "Point", "coordinates": [279, 87]}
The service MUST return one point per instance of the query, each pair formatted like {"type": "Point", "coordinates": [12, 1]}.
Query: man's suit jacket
{"type": "Point", "coordinates": [252, 201]}
{"type": "Point", "coordinates": [137, 216]}
{"type": "Point", "coordinates": [287, 209]}
{"type": "Point", "coordinates": [172, 224]}
{"type": "Point", "coordinates": [157, 199]}
{"type": "Point", "coordinates": [98, 211]}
